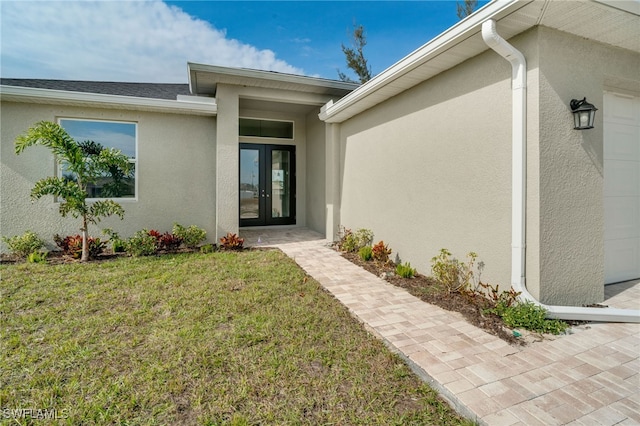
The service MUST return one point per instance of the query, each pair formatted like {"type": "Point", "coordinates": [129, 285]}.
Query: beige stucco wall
{"type": "Point", "coordinates": [315, 172]}
{"type": "Point", "coordinates": [571, 163]}
{"type": "Point", "coordinates": [176, 172]}
{"type": "Point", "coordinates": [227, 161]}
{"type": "Point", "coordinates": [431, 168]}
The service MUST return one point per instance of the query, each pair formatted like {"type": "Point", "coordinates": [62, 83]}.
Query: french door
{"type": "Point", "coordinates": [267, 184]}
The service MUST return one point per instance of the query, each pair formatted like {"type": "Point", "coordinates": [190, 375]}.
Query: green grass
{"type": "Point", "coordinates": [222, 338]}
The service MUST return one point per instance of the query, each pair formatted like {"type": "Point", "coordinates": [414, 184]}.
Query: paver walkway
{"type": "Point", "coordinates": [590, 377]}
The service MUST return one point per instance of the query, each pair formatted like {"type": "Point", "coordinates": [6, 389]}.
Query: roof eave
{"type": "Point", "coordinates": [30, 94]}
{"type": "Point", "coordinates": [263, 78]}
{"type": "Point", "coordinates": [342, 110]}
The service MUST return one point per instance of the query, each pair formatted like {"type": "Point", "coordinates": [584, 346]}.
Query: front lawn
{"type": "Point", "coordinates": [229, 337]}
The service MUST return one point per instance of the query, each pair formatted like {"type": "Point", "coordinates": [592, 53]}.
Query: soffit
{"type": "Point", "coordinates": [615, 26]}
{"type": "Point", "coordinates": [613, 22]}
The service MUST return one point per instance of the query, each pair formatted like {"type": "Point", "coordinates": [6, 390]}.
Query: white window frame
{"type": "Point", "coordinates": [133, 161]}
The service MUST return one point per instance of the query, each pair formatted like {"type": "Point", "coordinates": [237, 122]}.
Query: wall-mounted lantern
{"type": "Point", "coordinates": [584, 114]}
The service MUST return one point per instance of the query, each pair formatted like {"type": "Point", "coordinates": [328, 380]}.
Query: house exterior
{"type": "Point", "coordinates": [423, 154]}
{"type": "Point", "coordinates": [185, 147]}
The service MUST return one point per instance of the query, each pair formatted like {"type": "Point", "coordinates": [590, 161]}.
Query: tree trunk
{"type": "Point", "coordinates": [85, 240]}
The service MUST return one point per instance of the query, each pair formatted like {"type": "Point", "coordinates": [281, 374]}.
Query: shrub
{"type": "Point", "coordinates": [365, 253]}
{"type": "Point", "coordinates": [352, 241]}
{"type": "Point", "coordinates": [191, 236]}
{"type": "Point", "coordinates": [71, 245]}
{"type": "Point", "coordinates": [37, 257]}
{"type": "Point", "coordinates": [231, 242]}
{"type": "Point", "coordinates": [118, 245]}
{"type": "Point", "coordinates": [456, 275]}
{"type": "Point", "coordinates": [530, 317]}
{"type": "Point", "coordinates": [155, 234]}
{"type": "Point", "coordinates": [169, 241]}
{"type": "Point", "coordinates": [166, 241]}
{"type": "Point", "coordinates": [405, 270]}
{"type": "Point", "coordinates": [142, 244]}
{"type": "Point", "coordinates": [25, 244]}
{"type": "Point", "coordinates": [505, 298]}
{"type": "Point", "coordinates": [208, 248]}
{"type": "Point", "coordinates": [381, 252]}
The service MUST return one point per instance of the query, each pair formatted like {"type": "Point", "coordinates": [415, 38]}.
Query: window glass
{"type": "Point", "coordinates": [108, 134]}
{"type": "Point", "coordinates": [266, 128]}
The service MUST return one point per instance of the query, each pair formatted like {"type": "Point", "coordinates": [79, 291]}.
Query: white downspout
{"type": "Point", "coordinates": [519, 188]}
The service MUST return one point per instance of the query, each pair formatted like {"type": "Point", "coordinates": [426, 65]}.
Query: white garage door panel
{"type": "Point", "coordinates": [621, 108]}
{"type": "Point", "coordinates": [626, 146]}
{"type": "Point", "coordinates": [621, 187]}
{"type": "Point", "coordinates": [621, 178]}
{"type": "Point", "coordinates": [620, 257]}
{"type": "Point", "coordinates": [621, 218]}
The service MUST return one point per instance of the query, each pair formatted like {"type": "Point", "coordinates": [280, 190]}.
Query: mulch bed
{"type": "Point", "coordinates": [430, 291]}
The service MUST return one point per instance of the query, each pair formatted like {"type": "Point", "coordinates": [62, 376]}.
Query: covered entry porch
{"type": "Point", "coordinates": [263, 115]}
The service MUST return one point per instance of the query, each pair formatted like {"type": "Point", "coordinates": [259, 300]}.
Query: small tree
{"type": "Point", "coordinates": [466, 8]}
{"type": "Point", "coordinates": [86, 162]}
{"type": "Point", "coordinates": [355, 57]}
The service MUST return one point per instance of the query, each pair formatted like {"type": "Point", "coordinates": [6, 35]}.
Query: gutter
{"type": "Point", "coordinates": [381, 86]}
{"type": "Point", "coordinates": [519, 190]}
{"type": "Point", "coordinates": [183, 105]}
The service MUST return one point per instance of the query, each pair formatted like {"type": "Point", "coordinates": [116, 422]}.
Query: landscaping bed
{"type": "Point", "coordinates": [455, 286]}
{"type": "Point", "coordinates": [430, 291]}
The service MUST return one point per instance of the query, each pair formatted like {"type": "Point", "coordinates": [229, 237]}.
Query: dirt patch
{"type": "Point", "coordinates": [430, 291]}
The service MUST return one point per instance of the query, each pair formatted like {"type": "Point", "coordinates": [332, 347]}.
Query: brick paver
{"type": "Point", "coordinates": [589, 377]}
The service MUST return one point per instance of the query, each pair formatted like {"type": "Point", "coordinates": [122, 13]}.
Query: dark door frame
{"type": "Point", "coordinates": [265, 190]}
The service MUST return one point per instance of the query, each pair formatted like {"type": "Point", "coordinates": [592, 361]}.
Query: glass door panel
{"type": "Point", "coordinates": [267, 185]}
{"type": "Point", "coordinates": [250, 183]}
{"type": "Point", "coordinates": [280, 184]}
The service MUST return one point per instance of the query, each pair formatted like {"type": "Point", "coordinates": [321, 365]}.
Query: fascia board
{"type": "Point", "coordinates": [30, 94]}
{"type": "Point", "coordinates": [232, 73]}
{"type": "Point", "coordinates": [438, 45]}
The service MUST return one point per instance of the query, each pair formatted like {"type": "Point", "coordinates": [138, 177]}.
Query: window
{"type": "Point", "coordinates": [109, 134]}
{"type": "Point", "coordinates": [266, 128]}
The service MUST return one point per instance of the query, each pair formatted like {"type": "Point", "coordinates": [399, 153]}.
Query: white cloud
{"type": "Point", "coordinates": [116, 41]}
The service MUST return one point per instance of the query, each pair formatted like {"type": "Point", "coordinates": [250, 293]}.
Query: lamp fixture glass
{"type": "Point", "coordinates": [584, 114]}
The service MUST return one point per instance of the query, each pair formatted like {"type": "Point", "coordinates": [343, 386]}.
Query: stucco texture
{"type": "Point", "coordinates": [176, 173]}
{"type": "Point", "coordinates": [571, 163]}
{"type": "Point", "coordinates": [431, 167]}
{"type": "Point", "coordinates": [315, 172]}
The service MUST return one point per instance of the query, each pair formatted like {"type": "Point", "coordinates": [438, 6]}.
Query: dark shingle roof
{"type": "Point", "coordinates": [139, 90]}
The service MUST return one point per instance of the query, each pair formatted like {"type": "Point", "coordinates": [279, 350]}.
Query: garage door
{"type": "Point", "coordinates": [621, 187]}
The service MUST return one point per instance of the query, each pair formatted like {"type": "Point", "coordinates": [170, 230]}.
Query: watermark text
{"type": "Point", "coordinates": [34, 413]}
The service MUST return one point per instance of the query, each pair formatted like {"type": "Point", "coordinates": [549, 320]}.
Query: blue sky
{"type": "Point", "coordinates": [153, 40]}
{"type": "Point", "coordinates": [121, 136]}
